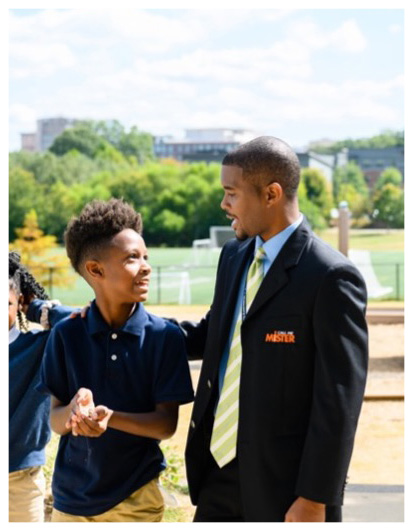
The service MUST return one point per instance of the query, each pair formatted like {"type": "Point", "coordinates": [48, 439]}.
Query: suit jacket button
{"type": "Point", "coordinates": [209, 384]}
{"type": "Point", "coordinates": [192, 424]}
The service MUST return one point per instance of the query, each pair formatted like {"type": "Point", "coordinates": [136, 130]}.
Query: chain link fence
{"type": "Point", "coordinates": [195, 284]}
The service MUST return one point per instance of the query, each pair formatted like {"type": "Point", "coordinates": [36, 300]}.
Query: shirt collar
{"type": "Point", "coordinates": [134, 324]}
{"type": "Point", "coordinates": [273, 246]}
{"type": "Point", "coordinates": [14, 333]}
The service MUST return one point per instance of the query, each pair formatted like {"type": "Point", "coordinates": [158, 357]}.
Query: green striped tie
{"type": "Point", "coordinates": [224, 435]}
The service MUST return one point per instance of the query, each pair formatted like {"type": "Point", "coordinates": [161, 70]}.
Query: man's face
{"type": "Point", "coordinates": [126, 271]}
{"type": "Point", "coordinates": [242, 203]}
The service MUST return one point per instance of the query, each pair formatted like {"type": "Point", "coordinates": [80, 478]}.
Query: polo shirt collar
{"type": "Point", "coordinates": [14, 333]}
{"type": "Point", "coordinates": [134, 324]}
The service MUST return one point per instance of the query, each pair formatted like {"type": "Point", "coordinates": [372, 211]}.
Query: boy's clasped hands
{"type": "Point", "coordinates": [85, 418]}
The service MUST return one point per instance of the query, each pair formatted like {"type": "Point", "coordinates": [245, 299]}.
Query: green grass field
{"type": "Point", "coordinates": [368, 239]}
{"type": "Point", "coordinates": [186, 276]}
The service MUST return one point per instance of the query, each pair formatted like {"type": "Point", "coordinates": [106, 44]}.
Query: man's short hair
{"type": "Point", "coordinates": [87, 235]}
{"type": "Point", "coordinates": [267, 159]}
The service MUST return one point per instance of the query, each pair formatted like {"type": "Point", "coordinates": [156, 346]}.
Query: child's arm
{"type": "Point", "coordinates": [47, 313]}
{"type": "Point", "coordinates": [158, 424]}
{"type": "Point", "coordinates": [64, 418]}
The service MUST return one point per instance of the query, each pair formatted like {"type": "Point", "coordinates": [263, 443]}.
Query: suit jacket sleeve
{"type": "Point", "coordinates": [340, 370]}
{"type": "Point", "coordinates": [196, 332]}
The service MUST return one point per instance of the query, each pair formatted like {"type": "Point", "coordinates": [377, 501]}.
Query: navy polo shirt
{"type": "Point", "coordinates": [29, 429]}
{"type": "Point", "coordinates": [130, 369]}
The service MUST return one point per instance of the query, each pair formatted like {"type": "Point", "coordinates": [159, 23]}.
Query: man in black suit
{"type": "Point", "coordinates": [284, 369]}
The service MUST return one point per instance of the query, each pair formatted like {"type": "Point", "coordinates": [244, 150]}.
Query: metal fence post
{"type": "Point", "coordinates": [159, 277]}
{"type": "Point", "coordinates": [398, 291]}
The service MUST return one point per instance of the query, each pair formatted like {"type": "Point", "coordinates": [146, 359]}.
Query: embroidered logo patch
{"type": "Point", "coordinates": [280, 336]}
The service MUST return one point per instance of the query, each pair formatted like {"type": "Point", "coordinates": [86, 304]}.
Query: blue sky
{"type": "Point", "coordinates": [301, 74]}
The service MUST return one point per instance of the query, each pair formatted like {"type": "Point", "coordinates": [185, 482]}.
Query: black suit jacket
{"type": "Point", "coordinates": [303, 374]}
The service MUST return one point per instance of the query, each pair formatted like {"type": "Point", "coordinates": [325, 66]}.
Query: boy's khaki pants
{"type": "Point", "coordinates": [144, 505]}
{"type": "Point", "coordinates": [26, 495]}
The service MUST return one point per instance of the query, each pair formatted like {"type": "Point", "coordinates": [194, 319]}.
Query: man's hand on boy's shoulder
{"type": "Point", "coordinates": [82, 312]}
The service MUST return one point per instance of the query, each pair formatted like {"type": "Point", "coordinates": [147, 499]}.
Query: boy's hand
{"type": "Point", "coordinates": [95, 424]}
{"type": "Point", "coordinates": [81, 405]}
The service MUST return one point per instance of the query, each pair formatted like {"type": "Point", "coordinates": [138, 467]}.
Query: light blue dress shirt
{"type": "Point", "coordinates": [272, 248]}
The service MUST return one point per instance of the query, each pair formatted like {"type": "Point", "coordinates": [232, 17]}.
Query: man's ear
{"type": "Point", "coordinates": [274, 193]}
{"type": "Point", "coordinates": [94, 269]}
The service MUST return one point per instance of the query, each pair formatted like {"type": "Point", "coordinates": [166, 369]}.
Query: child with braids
{"type": "Point", "coordinates": [29, 429]}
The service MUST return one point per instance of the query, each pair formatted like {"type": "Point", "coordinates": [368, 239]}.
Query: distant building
{"type": "Point", "coordinates": [209, 145]}
{"type": "Point", "coordinates": [47, 130]}
{"type": "Point", "coordinates": [325, 163]}
{"type": "Point", "coordinates": [373, 161]}
{"type": "Point", "coordinates": [28, 141]}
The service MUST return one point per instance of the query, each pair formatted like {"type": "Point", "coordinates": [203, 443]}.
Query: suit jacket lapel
{"type": "Point", "coordinates": [236, 265]}
{"type": "Point", "coordinates": [277, 276]}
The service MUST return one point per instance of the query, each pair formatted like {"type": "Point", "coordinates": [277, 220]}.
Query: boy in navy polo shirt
{"type": "Point", "coordinates": [116, 377]}
{"type": "Point", "coordinates": [29, 429]}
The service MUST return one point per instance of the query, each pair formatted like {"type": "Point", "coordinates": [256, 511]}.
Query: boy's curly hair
{"type": "Point", "coordinates": [21, 281]}
{"type": "Point", "coordinates": [97, 223]}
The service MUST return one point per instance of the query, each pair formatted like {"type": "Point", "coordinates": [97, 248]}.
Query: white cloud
{"type": "Point", "coordinates": [328, 102]}
{"type": "Point", "coordinates": [347, 37]}
{"type": "Point", "coordinates": [23, 115]}
{"type": "Point", "coordinates": [37, 59]}
{"type": "Point", "coordinates": [167, 71]}
{"type": "Point", "coordinates": [395, 28]}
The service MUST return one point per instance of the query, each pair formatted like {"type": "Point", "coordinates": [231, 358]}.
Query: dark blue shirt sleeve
{"type": "Point", "coordinates": [53, 377]}
{"type": "Point", "coordinates": [56, 313]}
{"type": "Point", "coordinates": [173, 381]}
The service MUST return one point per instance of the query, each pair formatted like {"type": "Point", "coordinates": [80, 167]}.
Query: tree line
{"type": "Point", "coordinates": [178, 201]}
{"type": "Point", "coordinates": [385, 139]}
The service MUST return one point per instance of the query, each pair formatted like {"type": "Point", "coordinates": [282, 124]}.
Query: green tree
{"type": "Point", "coordinates": [388, 206]}
{"type": "Point", "coordinates": [359, 204]}
{"type": "Point", "coordinates": [134, 143]}
{"type": "Point", "coordinates": [137, 144]}
{"type": "Point", "coordinates": [318, 190]}
{"type": "Point", "coordinates": [168, 224]}
{"type": "Point", "coordinates": [81, 138]}
{"type": "Point", "coordinates": [36, 251]}
{"type": "Point", "coordinates": [349, 174]}
{"type": "Point", "coordinates": [309, 209]}
{"type": "Point", "coordinates": [349, 185]}
{"type": "Point", "coordinates": [389, 175]}
{"type": "Point", "coordinates": [387, 138]}
{"type": "Point", "coordinates": [24, 193]}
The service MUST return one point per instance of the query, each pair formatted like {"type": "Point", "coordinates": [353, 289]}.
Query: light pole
{"type": "Point", "coordinates": [343, 226]}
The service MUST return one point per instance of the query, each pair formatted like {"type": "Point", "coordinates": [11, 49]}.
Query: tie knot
{"type": "Point", "coordinates": [260, 254]}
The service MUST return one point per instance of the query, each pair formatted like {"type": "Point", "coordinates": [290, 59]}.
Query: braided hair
{"type": "Point", "coordinates": [23, 282]}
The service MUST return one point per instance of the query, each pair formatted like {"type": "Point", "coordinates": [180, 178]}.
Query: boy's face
{"type": "Point", "coordinates": [126, 273]}
{"type": "Point", "coordinates": [14, 301]}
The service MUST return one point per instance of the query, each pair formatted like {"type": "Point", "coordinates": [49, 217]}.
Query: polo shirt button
{"type": "Point", "coordinates": [114, 357]}
{"type": "Point", "coordinates": [193, 425]}
{"type": "Point", "coordinates": [209, 384]}
{"type": "Point", "coordinates": [114, 336]}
